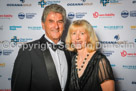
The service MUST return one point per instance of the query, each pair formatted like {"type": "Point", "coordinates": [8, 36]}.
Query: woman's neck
{"type": "Point", "coordinates": [82, 52]}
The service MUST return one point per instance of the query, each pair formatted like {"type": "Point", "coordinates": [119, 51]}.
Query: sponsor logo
{"type": "Point", "coordinates": [6, 16]}
{"type": "Point", "coordinates": [15, 39]}
{"type": "Point", "coordinates": [0, 52]}
{"type": "Point", "coordinates": [71, 15]}
{"type": "Point", "coordinates": [1, 27]}
{"type": "Point", "coordinates": [34, 28]}
{"type": "Point", "coordinates": [7, 52]}
{"type": "Point", "coordinates": [83, 3]}
{"type": "Point", "coordinates": [107, 53]}
{"type": "Point", "coordinates": [129, 67]}
{"type": "Point", "coordinates": [124, 13]}
{"type": "Point", "coordinates": [133, 82]}
{"type": "Point", "coordinates": [135, 40]}
{"type": "Point", "coordinates": [133, 13]}
{"type": "Point", "coordinates": [14, 27]}
{"type": "Point", "coordinates": [2, 64]}
{"type": "Point", "coordinates": [21, 15]}
{"type": "Point", "coordinates": [95, 26]}
{"type": "Point", "coordinates": [113, 27]}
{"type": "Point", "coordinates": [106, 15]}
{"type": "Point", "coordinates": [9, 78]}
{"type": "Point", "coordinates": [119, 79]}
{"type": "Point", "coordinates": [116, 43]}
{"type": "Point", "coordinates": [17, 42]}
{"type": "Point", "coordinates": [133, 2]}
{"type": "Point", "coordinates": [113, 65]}
{"type": "Point", "coordinates": [83, 0]}
{"type": "Point", "coordinates": [105, 2]}
{"type": "Point", "coordinates": [42, 3]}
{"type": "Point", "coordinates": [117, 37]}
{"type": "Point", "coordinates": [128, 54]}
{"type": "Point", "coordinates": [133, 27]}
{"type": "Point", "coordinates": [0, 75]}
{"type": "Point", "coordinates": [22, 3]}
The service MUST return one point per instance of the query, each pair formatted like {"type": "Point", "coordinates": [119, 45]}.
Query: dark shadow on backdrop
{"type": "Point", "coordinates": [68, 22]}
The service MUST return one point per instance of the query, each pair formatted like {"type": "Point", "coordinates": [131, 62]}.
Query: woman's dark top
{"type": "Point", "coordinates": [97, 71]}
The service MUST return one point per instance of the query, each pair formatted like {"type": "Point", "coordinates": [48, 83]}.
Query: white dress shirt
{"type": "Point", "coordinates": [60, 62]}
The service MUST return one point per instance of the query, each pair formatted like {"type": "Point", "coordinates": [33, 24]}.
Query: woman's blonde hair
{"type": "Point", "coordinates": [92, 38]}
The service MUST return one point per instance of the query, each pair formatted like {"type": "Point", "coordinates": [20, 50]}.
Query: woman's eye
{"type": "Point", "coordinates": [73, 33]}
{"type": "Point", "coordinates": [82, 33]}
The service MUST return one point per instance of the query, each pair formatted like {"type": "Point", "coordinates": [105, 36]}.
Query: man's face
{"type": "Point", "coordinates": [53, 26]}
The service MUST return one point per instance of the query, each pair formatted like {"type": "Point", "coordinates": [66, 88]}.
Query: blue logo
{"type": "Point", "coordinates": [1, 27]}
{"type": "Point", "coordinates": [34, 28]}
{"type": "Point", "coordinates": [117, 37]}
{"type": "Point", "coordinates": [133, 82]}
{"type": "Point", "coordinates": [21, 15]}
{"type": "Point", "coordinates": [95, 26]}
{"type": "Point", "coordinates": [30, 15]}
{"type": "Point", "coordinates": [113, 65]}
{"type": "Point", "coordinates": [22, 1]}
{"type": "Point", "coordinates": [124, 14]}
{"type": "Point", "coordinates": [133, 13]}
{"type": "Point", "coordinates": [42, 3]}
{"type": "Point", "coordinates": [14, 27]}
{"type": "Point", "coordinates": [9, 78]}
{"type": "Point", "coordinates": [117, 79]}
{"type": "Point", "coordinates": [135, 40]}
{"type": "Point", "coordinates": [107, 53]}
{"type": "Point", "coordinates": [71, 15]}
{"type": "Point", "coordinates": [133, 2]}
{"type": "Point", "coordinates": [0, 52]}
{"type": "Point", "coordinates": [0, 75]}
{"type": "Point", "coordinates": [83, 0]}
{"type": "Point", "coordinates": [104, 2]}
{"type": "Point", "coordinates": [15, 39]}
{"type": "Point", "coordinates": [113, 27]}
{"type": "Point", "coordinates": [7, 52]}
{"type": "Point", "coordinates": [129, 66]}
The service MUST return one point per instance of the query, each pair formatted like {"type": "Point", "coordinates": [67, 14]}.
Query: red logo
{"type": "Point", "coordinates": [124, 53]}
{"type": "Point", "coordinates": [104, 15]}
{"type": "Point", "coordinates": [95, 15]}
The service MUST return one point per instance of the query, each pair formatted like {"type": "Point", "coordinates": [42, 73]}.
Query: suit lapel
{"type": "Point", "coordinates": [50, 67]}
{"type": "Point", "coordinates": [51, 70]}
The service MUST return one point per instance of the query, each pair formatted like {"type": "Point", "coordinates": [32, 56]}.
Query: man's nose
{"type": "Point", "coordinates": [56, 25]}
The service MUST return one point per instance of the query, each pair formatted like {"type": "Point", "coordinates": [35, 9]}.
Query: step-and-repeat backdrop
{"type": "Point", "coordinates": [114, 22]}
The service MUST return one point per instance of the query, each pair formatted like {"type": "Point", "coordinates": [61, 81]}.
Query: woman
{"type": "Point", "coordinates": [91, 70]}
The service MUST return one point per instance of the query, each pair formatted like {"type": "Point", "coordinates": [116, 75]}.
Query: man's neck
{"type": "Point", "coordinates": [55, 41]}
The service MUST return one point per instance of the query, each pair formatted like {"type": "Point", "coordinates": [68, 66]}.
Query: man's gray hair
{"type": "Point", "coordinates": [54, 8]}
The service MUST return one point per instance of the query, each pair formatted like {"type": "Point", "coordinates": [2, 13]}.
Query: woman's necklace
{"type": "Point", "coordinates": [82, 65]}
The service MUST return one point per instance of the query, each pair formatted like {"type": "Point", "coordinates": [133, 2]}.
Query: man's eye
{"type": "Point", "coordinates": [60, 21]}
{"type": "Point", "coordinates": [50, 21]}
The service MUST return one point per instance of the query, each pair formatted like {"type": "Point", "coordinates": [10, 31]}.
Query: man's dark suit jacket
{"type": "Point", "coordinates": [34, 70]}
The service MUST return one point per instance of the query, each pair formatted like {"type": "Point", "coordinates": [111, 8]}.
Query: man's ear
{"type": "Point", "coordinates": [43, 25]}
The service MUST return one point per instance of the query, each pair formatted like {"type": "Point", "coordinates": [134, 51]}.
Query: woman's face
{"type": "Point", "coordinates": [79, 38]}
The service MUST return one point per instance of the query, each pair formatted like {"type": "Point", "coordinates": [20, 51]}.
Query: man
{"type": "Point", "coordinates": [38, 69]}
